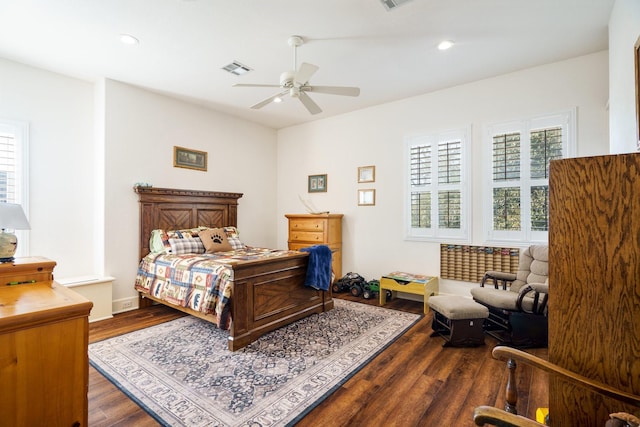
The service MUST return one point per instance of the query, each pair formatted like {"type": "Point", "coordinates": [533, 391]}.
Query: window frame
{"type": "Point", "coordinates": [20, 130]}
{"type": "Point", "coordinates": [566, 120]}
{"type": "Point", "coordinates": [434, 233]}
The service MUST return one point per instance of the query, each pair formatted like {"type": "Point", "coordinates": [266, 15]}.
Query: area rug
{"type": "Point", "coordinates": [182, 373]}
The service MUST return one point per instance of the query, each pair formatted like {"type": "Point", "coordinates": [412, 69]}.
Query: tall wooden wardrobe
{"type": "Point", "coordinates": [594, 281]}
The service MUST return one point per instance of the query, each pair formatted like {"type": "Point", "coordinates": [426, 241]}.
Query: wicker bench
{"type": "Point", "coordinates": [458, 320]}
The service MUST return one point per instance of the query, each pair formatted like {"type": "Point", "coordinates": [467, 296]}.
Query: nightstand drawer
{"type": "Point", "coordinates": [306, 236]}
{"type": "Point", "coordinates": [27, 269]}
{"type": "Point", "coordinates": [310, 224]}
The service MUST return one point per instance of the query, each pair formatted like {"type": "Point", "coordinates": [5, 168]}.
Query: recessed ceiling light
{"type": "Point", "coordinates": [277, 99]}
{"type": "Point", "coordinates": [445, 44]}
{"type": "Point", "coordinates": [128, 39]}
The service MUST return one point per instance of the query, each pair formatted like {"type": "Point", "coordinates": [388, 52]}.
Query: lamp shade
{"type": "Point", "coordinates": [12, 217]}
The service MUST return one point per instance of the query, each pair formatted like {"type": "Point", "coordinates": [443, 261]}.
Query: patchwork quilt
{"type": "Point", "coordinates": [201, 282]}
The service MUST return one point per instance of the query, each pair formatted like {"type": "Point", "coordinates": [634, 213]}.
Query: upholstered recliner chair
{"type": "Point", "coordinates": [517, 302]}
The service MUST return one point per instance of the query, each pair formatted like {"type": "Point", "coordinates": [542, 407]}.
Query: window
{"type": "Point", "coordinates": [517, 205]}
{"type": "Point", "coordinates": [14, 172]}
{"type": "Point", "coordinates": [437, 186]}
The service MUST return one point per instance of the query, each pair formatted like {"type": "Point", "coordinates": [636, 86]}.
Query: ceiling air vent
{"type": "Point", "coordinates": [236, 68]}
{"type": "Point", "coordinates": [392, 4]}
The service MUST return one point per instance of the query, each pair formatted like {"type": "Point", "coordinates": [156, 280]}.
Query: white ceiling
{"type": "Point", "coordinates": [390, 55]}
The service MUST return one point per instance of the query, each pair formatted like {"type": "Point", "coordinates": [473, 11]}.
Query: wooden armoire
{"type": "Point", "coordinates": [594, 283]}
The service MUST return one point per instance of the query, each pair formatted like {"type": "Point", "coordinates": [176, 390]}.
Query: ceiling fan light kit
{"type": "Point", "coordinates": [296, 83]}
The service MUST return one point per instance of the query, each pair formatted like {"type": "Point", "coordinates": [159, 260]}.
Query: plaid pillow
{"type": "Point", "coordinates": [159, 241]}
{"type": "Point", "coordinates": [233, 237]}
{"type": "Point", "coordinates": [186, 245]}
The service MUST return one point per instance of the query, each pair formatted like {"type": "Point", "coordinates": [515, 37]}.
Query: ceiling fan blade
{"type": "Point", "coordinates": [253, 85]}
{"type": "Point", "coordinates": [335, 90]}
{"type": "Point", "coordinates": [269, 100]}
{"type": "Point", "coordinates": [305, 72]}
{"type": "Point", "coordinates": [309, 103]}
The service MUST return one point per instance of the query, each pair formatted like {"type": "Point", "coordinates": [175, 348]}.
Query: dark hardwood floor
{"type": "Point", "coordinates": [414, 382]}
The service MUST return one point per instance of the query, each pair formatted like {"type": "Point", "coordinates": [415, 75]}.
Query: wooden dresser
{"type": "Point", "coordinates": [44, 366]}
{"type": "Point", "coordinates": [325, 229]}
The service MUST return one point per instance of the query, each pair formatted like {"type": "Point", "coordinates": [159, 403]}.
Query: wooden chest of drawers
{"type": "Point", "coordinates": [44, 366]}
{"type": "Point", "coordinates": [326, 229]}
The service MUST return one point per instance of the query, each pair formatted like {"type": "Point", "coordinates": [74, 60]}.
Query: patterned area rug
{"type": "Point", "coordinates": [182, 373]}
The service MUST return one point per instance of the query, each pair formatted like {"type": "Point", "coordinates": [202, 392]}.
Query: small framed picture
{"type": "Point", "coordinates": [190, 159]}
{"type": "Point", "coordinates": [366, 197]}
{"type": "Point", "coordinates": [317, 183]}
{"type": "Point", "coordinates": [366, 174]}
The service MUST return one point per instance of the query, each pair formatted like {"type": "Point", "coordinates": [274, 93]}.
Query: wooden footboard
{"type": "Point", "coordinates": [271, 294]}
{"type": "Point", "coordinates": [267, 293]}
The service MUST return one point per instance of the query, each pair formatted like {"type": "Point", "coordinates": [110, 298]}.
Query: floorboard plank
{"type": "Point", "coordinates": [414, 382]}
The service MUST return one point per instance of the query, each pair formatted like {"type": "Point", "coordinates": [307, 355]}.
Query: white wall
{"type": "Point", "coordinates": [373, 237]}
{"type": "Point", "coordinates": [89, 144]}
{"type": "Point", "coordinates": [70, 162]}
{"type": "Point", "coordinates": [624, 30]}
{"type": "Point", "coordinates": [141, 129]}
{"type": "Point", "coordinates": [59, 110]}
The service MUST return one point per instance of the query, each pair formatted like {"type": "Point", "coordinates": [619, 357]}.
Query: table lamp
{"type": "Point", "coordinates": [11, 218]}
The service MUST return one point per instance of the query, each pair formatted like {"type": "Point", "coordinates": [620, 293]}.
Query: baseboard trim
{"type": "Point", "coordinates": [124, 304]}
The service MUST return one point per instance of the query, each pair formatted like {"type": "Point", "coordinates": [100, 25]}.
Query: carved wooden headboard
{"type": "Point", "coordinates": [172, 209]}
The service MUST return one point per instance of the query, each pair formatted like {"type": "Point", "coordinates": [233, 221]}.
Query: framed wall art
{"type": "Point", "coordinates": [317, 183]}
{"type": "Point", "coordinates": [366, 197]}
{"type": "Point", "coordinates": [190, 159]}
{"type": "Point", "coordinates": [366, 174]}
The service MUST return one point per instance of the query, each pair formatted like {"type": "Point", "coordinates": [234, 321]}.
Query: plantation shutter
{"type": "Point", "coordinates": [517, 205]}
{"type": "Point", "coordinates": [437, 186]}
{"type": "Point", "coordinates": [8, 168]}
{"type": "Point", "coordinates": [420, 176]}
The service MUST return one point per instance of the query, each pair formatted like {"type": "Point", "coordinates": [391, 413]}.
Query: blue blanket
{"type": "Point", "coordinates": [319, 267]}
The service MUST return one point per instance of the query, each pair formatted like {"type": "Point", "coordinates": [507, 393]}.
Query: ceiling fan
{"type": "Point", "coordinates": [296, 84]}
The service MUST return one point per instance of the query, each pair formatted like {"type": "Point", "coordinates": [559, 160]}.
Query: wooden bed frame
{"type": "Point", "coordinates": [267, 293]}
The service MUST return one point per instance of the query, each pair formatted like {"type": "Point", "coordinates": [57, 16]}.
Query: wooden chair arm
{"type": "Point", "coordinates": [498, 277]}
{"type": "Point", "coordinates": [489, 415]}
{"type": "Point", "coordinates": [513, 355]}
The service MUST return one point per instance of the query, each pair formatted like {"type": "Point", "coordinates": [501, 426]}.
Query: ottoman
{"type": "Point", "coordinates": [458, 320]}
